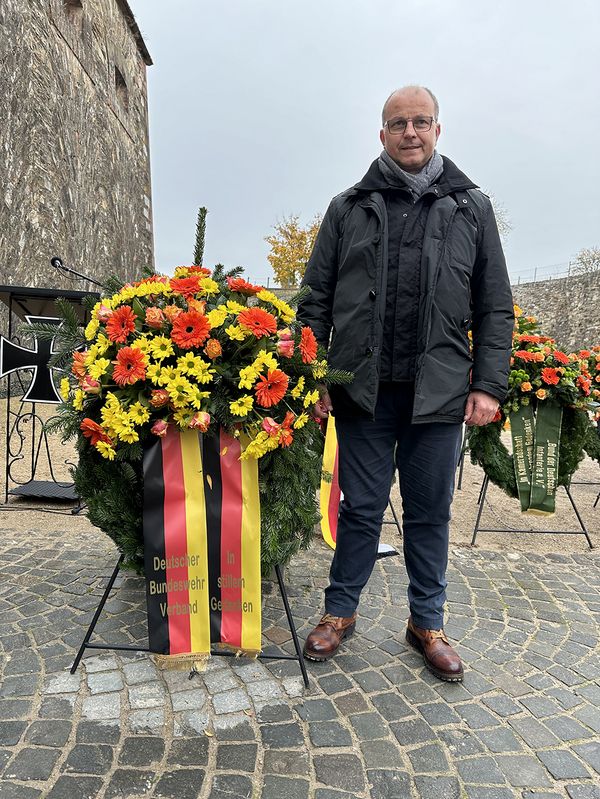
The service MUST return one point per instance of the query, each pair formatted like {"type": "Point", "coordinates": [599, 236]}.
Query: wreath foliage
{"type": "Point", "coordinates": [540, 372]}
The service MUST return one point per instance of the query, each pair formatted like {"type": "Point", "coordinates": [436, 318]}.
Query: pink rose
{"type": "Point", "coordinates": [285, 334]}
{"type": "Point", "coordinates": [159, 428]}
{"type": "Point", "coordinates": [285, 347]}
{"type": "Point", "coordinates": [104, 314]}
{"type": "Point", "coordinates": [154, 317]}
{"type": "Point", "coordinates": [90, 386]}
{"type": "Point", "coordinates": [270, 426]}
{"type": "Point", "coordinates": [159, 398]}
{"type": "Point", "coordinates": [200, 421]}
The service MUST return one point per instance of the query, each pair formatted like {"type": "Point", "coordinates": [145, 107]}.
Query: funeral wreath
{"type": "Point", "coordinates": [551, 409]}
{"type": "Point", "coordinates": [197, 350]}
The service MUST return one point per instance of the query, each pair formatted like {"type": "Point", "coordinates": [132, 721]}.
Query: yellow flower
{"type": "Point", "coordinates": [182, 417]}
{"type": "Point", "coordinates": [517, 311]}
{"type": "Point", "coordinates": [98, 368]}
{"type": "Point", "coordinates": [142, 344]}
{"type": "Point", "coordinates": [286, 312]}
{"type": "Point", "coordinates": [105, 450]}
{"type": "Point", "coordinates": [138, 413]}
{"type": "Point", "coordinates": [217, 316]}
{"type": "Point", "coordinates": [319, 369]}
{"type": "Point", "coordinates": [91, 329]}
{"type": "Point", "coordinates": [259, 446]}
{"type": "Point", "coordinates": [242, 406]}
{"type": "Point", "coordinates": [128, 435]}
{"type": "Point", "coordinates": [188, 362]}
{"type": "Point", "coordinates": [102, 343]}
{"type": "Point", "coordinates": [78, 400]}
{"type": "Point", "coordinates": [248, 376]}
{"type": "Point", "coordinates": [65, 388]}
{"type": "Point", "coordinates": [167, 373]}
{"type": "Point", "coordinates": [161, 347]}
{"type": "Point", "coordinates": [301, 421]}
{"type": "Point", "coordinates": [234, 307]}
{"type": "Point", "coordinates": [310, 398]}
{"type": "Point", "coordinates": [265, 358]}
{"type": "Point", "coordinates": [202, 372]}
{"type": "Point", "coordinates": [194, 397]}
{"type": "Point", "coordinates": [209, 286]}
{"type": "Point", "coordinates": [178, 389]}
{"type": "Point", "coordinates": [236, 333]}
{"type": "Point", "coordinates": [153, 372]}
{"type": "Point", "coordinates": [299, 388]}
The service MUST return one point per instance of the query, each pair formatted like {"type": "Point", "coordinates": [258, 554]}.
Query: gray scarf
{"type": "Point", "coordinates": [417, 183]}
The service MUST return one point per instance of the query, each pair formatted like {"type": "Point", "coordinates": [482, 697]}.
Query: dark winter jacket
{"type": "Point", "coordinates": [464, 285]}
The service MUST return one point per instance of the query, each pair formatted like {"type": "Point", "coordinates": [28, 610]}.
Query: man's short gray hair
{"type": "Point", "coordinates": [436, 105]}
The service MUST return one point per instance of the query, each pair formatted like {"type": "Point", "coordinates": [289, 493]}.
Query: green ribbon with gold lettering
{"type": "Point", "coordinates": [522, 430]}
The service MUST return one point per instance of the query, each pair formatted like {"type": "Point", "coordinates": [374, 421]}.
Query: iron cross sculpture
{"type": "Point", "coordinates": [13, 358]}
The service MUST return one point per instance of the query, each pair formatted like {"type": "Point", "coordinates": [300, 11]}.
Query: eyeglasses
{"type": "Point", "coordinates": [399, 124]}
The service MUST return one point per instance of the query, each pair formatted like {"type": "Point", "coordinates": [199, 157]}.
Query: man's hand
{"type": "Point", "coordinates": [480, 408]}
{"type": "Point", "coordinates": [323, 407]}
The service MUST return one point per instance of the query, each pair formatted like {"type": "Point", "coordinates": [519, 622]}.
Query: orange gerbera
{"type": "Point", "coordinates": [308, 345]}
{"type": "Point", "coordinates": [190, 329]}
{"type": "Point", "coordinates": [186, 286]}
{"type": "Point", "coordinates": [525, 355]}
{"type": "Point", "coordinates": [561, 357]}
{"type": "Point", "coordinates": [584, 384]}
{"type": "Point", "coordinates": [242, 286]}
{"type": "Point", "coordinates": [121, 324]}
{"type": "Point", "coordinates": [130, 366]}
{"type": "Point", "coordinates": [550, 376]}
{"type": "Point", "coordinates": [94, 432]}
{"type": "Point", "coordinates": [78, 367]}
{"type": "Point", "coordinates": [260, 322]}
{"type": "Point", "coordinates": [271, 389]}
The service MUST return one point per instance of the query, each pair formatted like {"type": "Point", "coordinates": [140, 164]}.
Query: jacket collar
{"type": "Point", "coordinates": [451, 179]}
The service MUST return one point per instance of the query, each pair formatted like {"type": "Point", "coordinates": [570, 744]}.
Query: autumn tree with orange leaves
{"type": "Point", "coordinates": [291, 246]}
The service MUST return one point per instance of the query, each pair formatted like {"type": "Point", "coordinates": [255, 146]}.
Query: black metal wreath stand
{"type": "Point", "coordinates": [86, 644]}
{"type": "Point", "coordinates": [478, 529]}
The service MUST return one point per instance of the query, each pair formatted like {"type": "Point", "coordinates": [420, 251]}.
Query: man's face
{"type": "Point", "coordinates": [412, 149]}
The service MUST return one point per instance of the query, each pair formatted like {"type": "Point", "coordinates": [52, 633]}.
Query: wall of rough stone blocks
{"type": "Point", "coordinates": [74, 159]}
{"type": "Point", "coordinates": [567, 308]}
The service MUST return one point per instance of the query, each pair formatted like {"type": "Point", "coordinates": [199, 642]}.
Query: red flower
{"type": "Point", "coordinates": [286, 437]}
{"type": "Point", "coordinates": [308, 345]}
{"type": "Point", "coordinates": [159, 397]}
{"type": "Point", "coordinates": [271, 389]}
{"type": "Point", "coordinates": [94, 432]}
{"type": "Point", "coordinates": [242, 286]}
{"type": "Point", "coordinates": [200, 421]}
{"type": "Point", "coordinates": [190, 329]}
{"type": "Point", "coordinates": [260, 322]}
{"type": "Point", "coordinates": [561, 357]}
{"type": "Point", "coordinates": [186, 286]}
{"type": "Point", "coordinates": [130, 366]}
{"type": "Point", "coordinates": [159, 428]}
{"type": "Point", "coordinates": [550, 376]}
{"type": "Point", "coordinates": [121, 324]}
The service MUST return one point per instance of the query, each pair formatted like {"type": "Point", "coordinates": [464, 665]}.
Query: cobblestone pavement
{"type": "Point", "coordinates": [374, 723]}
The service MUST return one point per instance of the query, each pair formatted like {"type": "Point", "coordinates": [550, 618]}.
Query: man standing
{"type": "Point", "coordinates": [406, 262]}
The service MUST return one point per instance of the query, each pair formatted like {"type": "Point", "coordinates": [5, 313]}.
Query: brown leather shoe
{"type": "Point", "coordinates": [437, 653]}
{"type": "Point", "coordinates": [324, 641]}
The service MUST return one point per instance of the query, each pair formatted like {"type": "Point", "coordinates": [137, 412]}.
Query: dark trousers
{"type": "Point", "coordinates": [426, 456]}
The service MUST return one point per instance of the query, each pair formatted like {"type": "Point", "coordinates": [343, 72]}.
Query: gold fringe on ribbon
{"type": "Point", "coordinates": [196, 661]}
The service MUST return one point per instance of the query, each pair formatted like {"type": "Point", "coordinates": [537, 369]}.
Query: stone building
{"type": "Point", "coordinates": [74, 159]}
{"type": "Point", "coordinates": [567, 308]}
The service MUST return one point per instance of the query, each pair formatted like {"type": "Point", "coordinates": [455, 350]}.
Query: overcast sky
{"type": "Point", "coordinates": [264, 108]}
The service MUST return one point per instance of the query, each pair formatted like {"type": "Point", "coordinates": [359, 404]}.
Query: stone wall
{"type": "Point", "coordinates": [567, 308]}
{"type": "Point", "coordinates": [74, 160]}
